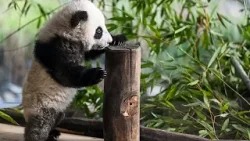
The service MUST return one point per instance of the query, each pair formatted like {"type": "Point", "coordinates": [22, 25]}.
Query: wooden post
{"type": "Point", "coordinates": [121, 109]}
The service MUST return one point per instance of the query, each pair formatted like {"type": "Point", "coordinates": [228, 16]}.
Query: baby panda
{"type": "Point", "coordinates": [75, 33]}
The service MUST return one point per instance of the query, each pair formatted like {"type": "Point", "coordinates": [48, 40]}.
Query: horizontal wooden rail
{"type": "Point", "coordinates": [94, 128]}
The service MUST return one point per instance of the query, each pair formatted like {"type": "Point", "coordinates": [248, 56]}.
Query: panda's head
{"type": "Point", "coordinates": [79, 20]}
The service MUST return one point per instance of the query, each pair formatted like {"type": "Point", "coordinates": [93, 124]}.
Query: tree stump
{"type": "Point", "coordinates": [121, 113]}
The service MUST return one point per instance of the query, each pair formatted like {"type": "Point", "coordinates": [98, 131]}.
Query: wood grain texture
{"type": "Point", "coordinates": [121, 100]}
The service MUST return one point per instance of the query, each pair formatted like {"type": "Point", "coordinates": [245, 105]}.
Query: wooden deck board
{"type": "Point", "coordinates": [15, 133]}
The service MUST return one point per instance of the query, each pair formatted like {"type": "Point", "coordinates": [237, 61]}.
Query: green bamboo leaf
{"type": "Point", "coordinates": [170, 93]}
{"type": "Point", "coordinates": [224, 48]}
{"type": "Point", "coordinates": [157, 33]}
{"type": "Point", "coordinates": [41, 9]}
{"type": "Point", "coordinates": [225, 125]}
{"type": "Point", "coordinates": [205, 39]}
{"type": "Point", "coordinates": [224, 107]}
{"type": "Point", "coordinates": [206, 93]}
{"type": "Point", "coordinates": [193, 104]}
{"type": "Point", "coordinates": [154, 115]}
{"type": "Point", "coordinates": [215, 55]}
{"type": "Point", "coordinates": [39, 23]}
{"type": "Point", "coordinates": [170, 105]}
{"type": "Point", "coordinates": [243, 112]}
{"type": "Point", "coordinates": [129, 16]}
{"type": "Point", "coordinates": [248, 134]}
{"type": "Point", "coordinates": [214, 10]}
{"type": "Point", "coordinates": [203, 117]}
{"type": "Point", "coordinates": [186, 116]}
{"type": "Point", "coordinates": [181, 29]}
{"type": "Point", "coordinates": [216, 33]}
{"type": "Point", "coordinates": [24, 6]}
{"type": "Point", "coordinates": [239, 127]}
{"type": "Point", "coordinates": [224, 115]}
{"type": "Point", "coordinates": [193, 83]}
{"type": "Point", "coordinates": [206, 101]}
{"type": "Point", "coordinates": [27, 9]}
{"type": "Point", "coordinates": [10, 4]}
{"type": "Point", "coordinates": [159, 123]}
{"type": "Point", "coordinates": [147, 65]}
{"type": "Point", "coordinates": [221, 19]}
{"type": "Point", "coordinates": [207, 126]}
{"type": "Point", "coordinates": [120, 19]}
{"type": "Point", "coordinates": [15, 5]}
{"type": "Point", "coordinates": [117, 19]}
{"type": "Point", "coordinates": [160, 3]}
{"type": "Point", "coordinates": [8, 118]}
{"type": "Point", "coordinates": [170, 67]}
{"type": "Point", "coordinates": [203, 133]}
{"type": "Point", "coordinates": [225, 18]}
{"type": "Point", "coordinates": [111, 27]}
{"type": "Point", "coordinates": [216, 101]}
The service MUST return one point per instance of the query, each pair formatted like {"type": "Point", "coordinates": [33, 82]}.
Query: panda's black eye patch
{"type": "Point", "coordinates": [77, 17]}
{"type": "Point", "coordinates": [98, 33]}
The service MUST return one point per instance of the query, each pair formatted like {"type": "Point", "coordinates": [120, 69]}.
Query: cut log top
{"type": "Point", "coordinates": [124, 48]}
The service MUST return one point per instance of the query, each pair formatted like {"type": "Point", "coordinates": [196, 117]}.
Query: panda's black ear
{"type": "Point", "coordinates": [77, 17]}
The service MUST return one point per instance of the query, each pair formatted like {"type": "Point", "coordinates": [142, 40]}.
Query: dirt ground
{"type": "Point", "coordinates": [15, 133]}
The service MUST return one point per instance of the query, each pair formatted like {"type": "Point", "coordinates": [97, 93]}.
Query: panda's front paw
{"type": "Point", "coordinates": [53, 135]}
{"type": "Point", "coordinates": [94, 76]}
{"type": "Point", "coordinates": [118, 40]}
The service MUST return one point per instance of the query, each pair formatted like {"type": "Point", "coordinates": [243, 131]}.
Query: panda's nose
{"type": "Point", "coordinates": [110, 39]}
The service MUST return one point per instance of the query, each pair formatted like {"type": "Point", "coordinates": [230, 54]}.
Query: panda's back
{"type": "Point", "coordinates": [42, 91]}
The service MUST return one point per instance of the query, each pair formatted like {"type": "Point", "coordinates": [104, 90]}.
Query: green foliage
{"type": "Point", "coordinates": [90, 101]}
{"type": "Point", "coordinates": [190, 47]}
{"type": "Point", "coordinates": [24, 16]}
{"type": "Point", "coordinates": [7, 117]}
{"type": "Point", "coordinates": [190, 59]}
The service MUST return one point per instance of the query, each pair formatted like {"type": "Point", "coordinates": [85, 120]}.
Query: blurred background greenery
{"type": "Point", "coordinates": [188, 81]}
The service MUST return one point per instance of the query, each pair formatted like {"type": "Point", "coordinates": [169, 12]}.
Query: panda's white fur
{"type": "Point", "coordinates": [44, 99]}
{"type": "Point", "coordinates": [60, 24]}
{"type": "Point", "coordinates": [40, 90]}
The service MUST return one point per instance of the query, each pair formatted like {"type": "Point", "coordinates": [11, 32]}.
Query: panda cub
{"type": "Point", "coordinates": [75, 33]}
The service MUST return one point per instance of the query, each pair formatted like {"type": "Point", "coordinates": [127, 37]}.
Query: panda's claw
{"type": "Point", "coordinates": [93, 76]}
{"type": "Point", "coordinates": [99, 75]}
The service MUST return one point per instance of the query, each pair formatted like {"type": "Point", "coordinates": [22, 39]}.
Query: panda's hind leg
{"type": "Point", "coordinates": [54, 133]}
{"type": "Point", "coordinates": [39, 126]}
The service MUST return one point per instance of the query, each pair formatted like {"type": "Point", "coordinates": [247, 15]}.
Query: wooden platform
{"type": "Point", "coordinates": [15, 133]}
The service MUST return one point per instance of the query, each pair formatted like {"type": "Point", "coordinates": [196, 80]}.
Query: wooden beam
{"type": "Point", "coordinates": [94, 128]}
{"type": "Point", "coordinates": [122, 89]}
{"type": "Point", "coordinates": [161, 135]}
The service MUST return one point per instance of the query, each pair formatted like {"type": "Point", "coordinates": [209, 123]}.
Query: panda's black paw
{"type": "Point", "coordinates": [95, 75]}
{"type": "Point", "coordinates": [53, 135]}
{"type": "Point", "coordinates": [118, 40]}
